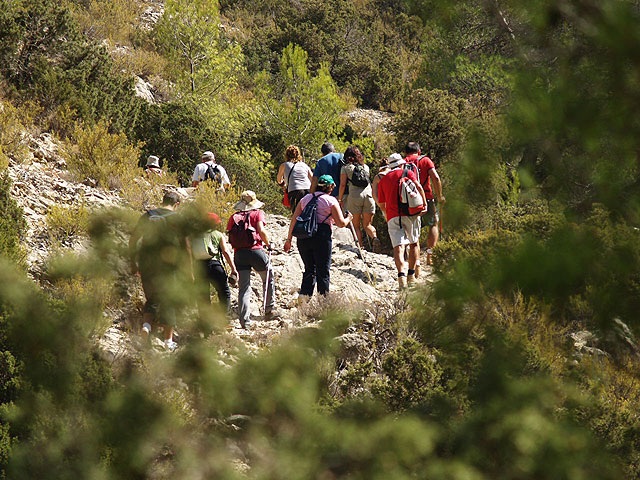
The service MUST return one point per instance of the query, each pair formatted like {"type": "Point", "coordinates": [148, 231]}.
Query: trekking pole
{"type": "Point", "coordinates": [372, 279]}
{"type": "Point", "coordinates": [266, 284]}
{"type": "Point", "coordinates": [441, 221]}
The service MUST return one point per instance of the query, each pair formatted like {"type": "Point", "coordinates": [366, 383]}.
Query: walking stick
{"type": "Point", "coordinates": [372, 279]}
{"type": "Point", "coordinates": [441, 221]}
{"type": "Point", "coordinates": [266, 284]}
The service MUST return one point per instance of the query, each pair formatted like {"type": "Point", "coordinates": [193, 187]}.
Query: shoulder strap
{"type": "Point", "coordinates": [290, 172]}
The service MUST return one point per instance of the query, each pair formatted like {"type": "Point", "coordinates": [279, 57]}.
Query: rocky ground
{"type": "Point", "coordinates": [42, 181]}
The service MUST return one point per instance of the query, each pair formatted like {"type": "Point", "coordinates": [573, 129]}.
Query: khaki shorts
{"type": "Point", "coordinates": [431, 216]}
{"type": "Point", "coordinates": [407, 234]}
{"type": "Point", "coordinates": [361, 204]}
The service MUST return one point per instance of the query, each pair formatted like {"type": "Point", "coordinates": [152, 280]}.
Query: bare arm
{"type": "Point", "coordinates": [437, 184]}
{"type": "Point", "coordinates": [314, 184]}
{"type": "Point", "coordinates": [336, 213]}
{"type": "Point", "coordinates": [280, 176]}
{"type": "Point", "coordinates": [343, 187]}
{"type": "Point", "coordinates": [296, 214]}
{"type": "Point", "coordinates": [374, 188]}
{"type": "Point", "coordinates": [226, 253]}
{"type": "Point", "coordinates": [263, 233]}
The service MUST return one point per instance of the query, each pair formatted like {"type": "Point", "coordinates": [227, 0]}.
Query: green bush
{"type": "Point", "coordinates": [12, 223]}
{"type": "Point", "coordinates": [93, 152]}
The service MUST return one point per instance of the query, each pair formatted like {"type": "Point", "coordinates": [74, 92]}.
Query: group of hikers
{"type": "Point", "coordinates": [338, 191]}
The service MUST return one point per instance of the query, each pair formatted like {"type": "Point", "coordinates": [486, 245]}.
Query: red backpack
{"type": "Point", "coordinates": [241, 233]}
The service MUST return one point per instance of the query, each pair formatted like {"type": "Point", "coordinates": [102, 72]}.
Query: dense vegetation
{"type": "Point", "coordinates": [530, 111]}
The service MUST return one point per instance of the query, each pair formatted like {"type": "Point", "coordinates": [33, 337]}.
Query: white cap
{"type": "Point", "coordinates": [207, 156]}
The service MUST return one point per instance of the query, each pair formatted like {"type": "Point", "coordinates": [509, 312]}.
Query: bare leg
{"type": "Point", "coordinates": [414, 255]}
{"type": "Point", "coordinates": [432, 239]}
{"type": "Point", "coordinates": [369, 229]}
{"type": "Point", "coordinates": [398, 257]}
{"type": "Point", "coordinates": [356, 226]}
{"type": "Point", "coordinates": [168, 332]}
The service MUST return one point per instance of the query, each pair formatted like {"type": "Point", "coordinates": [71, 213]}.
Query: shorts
{"type": "Point", "coordinates": [431, 216]}
{"type": "Point", "coordinates": [407, 234]}
{"type": "Point", "coordinates": [358, 204]}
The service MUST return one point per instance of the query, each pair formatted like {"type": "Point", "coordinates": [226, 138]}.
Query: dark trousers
{"type": "Point", "coordinates": [295, 196]}
{"type": "Point", "coordinates": [214, 272]}
{"type": "Point", "coordinates": [316, 256]}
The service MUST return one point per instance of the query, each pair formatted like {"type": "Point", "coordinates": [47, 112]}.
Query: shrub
{"type": "Point", "coordinates": [411, 376]}
{"type": "Point", "coordinates": [65, 223]}
{"type": "Point", "coordinates": [14, 122]}
{"type": "Point", "coordinates": [93, 152]}
{"type": "Point", "coordinates": [12, 223]}
{"type": "Point", "coordinates": [436, 120]}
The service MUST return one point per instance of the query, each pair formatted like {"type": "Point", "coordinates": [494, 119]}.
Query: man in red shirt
{"type": "Point", "coordinates": [403, 230]}
{"type": "Point", "coordinates": [428, 177]}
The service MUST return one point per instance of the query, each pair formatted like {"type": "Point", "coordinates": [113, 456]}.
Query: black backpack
{"type": "Point", "coordinates": [213, 173]}
{"type": "Point", "coordinates": [359, 178]}
{"type": "Point", "coordinates": [306, 224]}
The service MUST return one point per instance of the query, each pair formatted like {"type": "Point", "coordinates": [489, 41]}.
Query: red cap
{"type": "Point", "coordinates": [214, 218]}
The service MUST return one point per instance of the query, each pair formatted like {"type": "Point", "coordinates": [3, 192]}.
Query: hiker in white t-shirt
{"type": "Point", "coordinates": [208, 169]}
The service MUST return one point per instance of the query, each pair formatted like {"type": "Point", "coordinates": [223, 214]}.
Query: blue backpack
{"type": "Point", "coordinates": [306, 224]}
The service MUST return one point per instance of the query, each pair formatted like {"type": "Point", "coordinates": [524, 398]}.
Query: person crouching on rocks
{"type": "Point", "coordinates": [316, 251]}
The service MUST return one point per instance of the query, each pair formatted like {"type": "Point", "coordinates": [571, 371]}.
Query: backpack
{"type": "Point", "coordinates": [359, 178]}
{"type": "Point", "coordinates": [241, 233]}
{"type": "Point", "coordinates": [409, 199]}
{"type": "Point", "coordinates": [157, 232]}
{"type": "Point", "coordinates": [213, 173]}
{"type": "Point", "coordinates": [306, 224]}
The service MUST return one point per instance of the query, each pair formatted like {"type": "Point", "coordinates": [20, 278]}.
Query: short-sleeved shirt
{"type": "Point", "coordinates": [330, 164]}
{"type": "Point", "coordinates": [201, 169]}
{"type": "Point", "coordinates": [325, 202]}
{"type": "Point", "coordinates": [355, 191]}
{"type": "Point", "coordinates": [203, 246]}
{"type": "Point", "coordinates": [299, 178]}
{"type": "Point", "coordinates": [255, 216]}
{"type": "Point", "coordinates": [424, 164]}
{"type": "Point", "coordinates": [388, 190]}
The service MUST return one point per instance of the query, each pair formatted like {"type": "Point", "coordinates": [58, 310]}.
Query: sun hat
{"type": "Point", "coordinates": [153, 161]}
{"type": "Point", "coordinates": [395, 160]}
{"type": "Point", "coordinates": [326, 180]}
{"type": "Point", "coordinates": [207, 156]}
{"type": "Point", "coordinates": [248, 201]}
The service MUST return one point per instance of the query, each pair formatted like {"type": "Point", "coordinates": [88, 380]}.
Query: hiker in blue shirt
{"type": "Point", "coordinates": [330, 164]}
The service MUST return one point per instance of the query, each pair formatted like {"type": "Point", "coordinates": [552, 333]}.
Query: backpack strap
{"type": "Point", "coordinates": [289, 176]}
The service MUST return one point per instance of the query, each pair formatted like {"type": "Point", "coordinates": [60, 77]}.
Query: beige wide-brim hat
{"type": "Point", "coordinates": [395, 160]}
{"type": "Point", "coordinates": [248, 201]}
{"type": "Point", "coordinates": [153, 161]}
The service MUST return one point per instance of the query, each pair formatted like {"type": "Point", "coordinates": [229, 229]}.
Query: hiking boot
{"type": "Point", "coordinates": [377, 245]}
{"type": "Point", "coordinates": [411, 279]}
{"type": "Point", "coordinates": [429, 256]}
{"type": "Point", "coordinates": [402, 282]}
{"type": "Point", "coordinates": [271, 316]}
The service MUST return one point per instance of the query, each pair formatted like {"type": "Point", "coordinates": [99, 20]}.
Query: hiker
{"type": "Point", "coordinates": [360, 198]}
{"type": "Point", "coordinates": [209, 250]}
{"type": "Point", "coordinates": [249, 240]}
{"type": "Point", "coordinates": [383, 169]}
{"type": "Point", "coordinates": [329, 164]}
{"type": "Point", "coordinates": [316, 251]}
{"type": "Point", "coordinates": [152, 167]}
{"type": "Point", "coordinates": [155, 249]}
{"type": "Point", "coordinates": [404, 229]}
{"type": "Point", "coordinates": [208, 169]}
{"type": "Point", "coordinates": [294, 175]}
{"type": "Point", "coordinates": [428, 177]}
